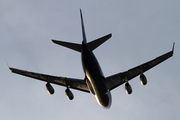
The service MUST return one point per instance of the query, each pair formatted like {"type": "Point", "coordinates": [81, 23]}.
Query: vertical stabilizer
{"type": "Point", "coordinates": [83, 29]}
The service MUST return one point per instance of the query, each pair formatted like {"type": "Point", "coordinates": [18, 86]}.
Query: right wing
{"type": "Point", "coordinates": [120, 78]}
{"type": "Point", "coordinates": [77, 84]}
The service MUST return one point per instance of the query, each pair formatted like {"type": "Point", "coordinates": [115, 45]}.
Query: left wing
{"type": "Point", "coordinates": [120, 78]}
{"type": "Point", "coordinates": [77, 84]}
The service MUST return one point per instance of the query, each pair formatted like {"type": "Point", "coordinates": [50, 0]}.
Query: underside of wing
{"type": "Point", "coordinates": [77, 84]}
{"type": "Point", "coordinates": [120, 78]}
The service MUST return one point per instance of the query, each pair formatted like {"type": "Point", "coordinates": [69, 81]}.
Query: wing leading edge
{"type": "Point", "coordinates": [120, 78]}
{"type": "Point", "coordinates": [77, 84]}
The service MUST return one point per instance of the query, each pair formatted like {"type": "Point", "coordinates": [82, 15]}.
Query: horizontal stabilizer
{"type": "Point", "coordinates": [94, 44]}
{"type": "Point", "coordinates": [73, 46]}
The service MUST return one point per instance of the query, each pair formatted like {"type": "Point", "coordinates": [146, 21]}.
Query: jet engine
{"type": "Point", "coordinates": [128, 88]}
{"type": "Point", "coordinates": [49, 88]}
{"type": "Point", "coordinates": [143, 79]}
{"type": "Point", "coordinates": [69, 94]}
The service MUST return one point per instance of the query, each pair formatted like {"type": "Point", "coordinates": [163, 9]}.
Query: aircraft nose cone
{"type": "Point", "coordinates": [106, 101]}
{"type": "Point", "coordinates": [106, 105]}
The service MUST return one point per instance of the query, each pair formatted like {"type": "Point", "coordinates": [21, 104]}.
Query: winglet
{"type": "Point", "coordinates": [7, 64]}
{"type": "Point", "coordinates": [173, 47]}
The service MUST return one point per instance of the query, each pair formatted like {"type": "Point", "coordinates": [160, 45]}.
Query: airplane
{"type": "Point", "coordinates": [94, 81]}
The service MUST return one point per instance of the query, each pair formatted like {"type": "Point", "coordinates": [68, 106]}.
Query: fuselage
{"type": "Point", "coordinates": [95, 77]}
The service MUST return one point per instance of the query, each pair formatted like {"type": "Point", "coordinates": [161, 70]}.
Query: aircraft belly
{"type": "Point", "coordinates": [95, 78]}
{"type": "Point", "coordinates": [96, 81]}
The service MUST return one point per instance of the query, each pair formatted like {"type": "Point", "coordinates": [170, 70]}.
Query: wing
{"type": "Point", "coordinates": [77, 84]}
{"type": "Point", "coordinates": [120, 78]}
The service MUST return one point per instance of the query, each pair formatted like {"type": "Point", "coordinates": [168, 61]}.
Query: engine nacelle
{"type": "Point", "coordinates": [69, 94]}
{"type": "Point", "coordinates": [128, 88]}
{"type": "Point", "coordinates": [49, 88]}
{"type": "Point", "coordinates": [143, 79]}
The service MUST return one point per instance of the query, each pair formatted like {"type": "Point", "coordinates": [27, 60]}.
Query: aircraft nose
{"type": "Point", "coordinates": [106, 103]}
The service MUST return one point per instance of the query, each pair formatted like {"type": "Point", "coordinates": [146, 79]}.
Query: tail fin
{"type": "Point", "coordinates": [83, 29]}
{"type": "Point", "coordinates": [94, 44]}
{"type": "Point", "coordinates": [91, 45]}
{"type": "Point", "coordinates": [73, 46]}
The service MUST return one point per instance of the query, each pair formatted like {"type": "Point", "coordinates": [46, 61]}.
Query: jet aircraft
{"type": "Point", "coordinates": [94, 82]}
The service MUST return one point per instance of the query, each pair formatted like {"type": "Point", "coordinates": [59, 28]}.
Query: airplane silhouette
{"type": "Point", "coordinates": [94, 81]}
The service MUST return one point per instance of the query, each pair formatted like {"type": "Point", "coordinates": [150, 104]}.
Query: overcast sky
{"type": "Point", "coordinates": [141, 31]}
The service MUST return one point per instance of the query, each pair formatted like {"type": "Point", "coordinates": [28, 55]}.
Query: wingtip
{"type": "Point", "coordinates": [110, 34]}
{"type": "Point", "coordinates": [80, 11]}
{"type": "Point", "coordinates": [53, 40]}
{"type": "Point", "coordinates": [173, 47]}
{"type": "Point", "coordinates": [8, 66]}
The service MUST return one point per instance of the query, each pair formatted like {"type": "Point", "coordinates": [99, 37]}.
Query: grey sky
{"type": "Point", "coordinates": [142, 30]}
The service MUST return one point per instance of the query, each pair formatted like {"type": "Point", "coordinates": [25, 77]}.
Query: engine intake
{"type": "Point", "coordinates": [128, 88]}
{"type": "Point", "coordinates": [143, 79]}
{"type": "Point", "coordinates": [69, 94]}
{"type": "Point", "coordinates": [50, 89]}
